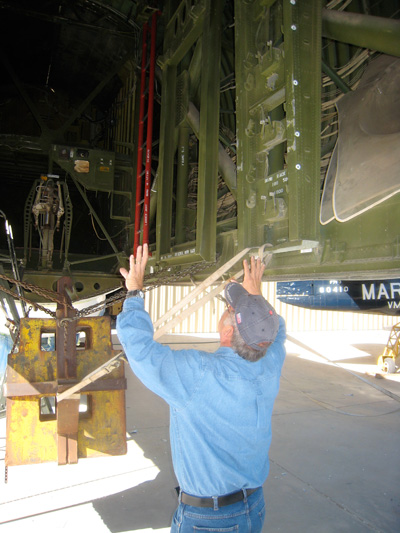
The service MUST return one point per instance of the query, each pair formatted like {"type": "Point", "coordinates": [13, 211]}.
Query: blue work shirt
{"type": "Point", "coordinates": [220, 404]}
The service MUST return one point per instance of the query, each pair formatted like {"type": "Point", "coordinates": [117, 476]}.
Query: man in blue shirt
{"type": "Point", "coordinates": [220, 403]}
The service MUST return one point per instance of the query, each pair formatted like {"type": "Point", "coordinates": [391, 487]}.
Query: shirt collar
{"type": "Point", "coordinates": [226, 351]}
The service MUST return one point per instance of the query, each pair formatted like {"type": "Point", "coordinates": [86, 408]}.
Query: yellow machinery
{"type": "Point", "coordinates": [387, 361]}
{"type": "Point", "coordinates": [58, 408]}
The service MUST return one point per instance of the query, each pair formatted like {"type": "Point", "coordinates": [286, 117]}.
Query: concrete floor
{"type": "Point", "coordinates": [335, 463]}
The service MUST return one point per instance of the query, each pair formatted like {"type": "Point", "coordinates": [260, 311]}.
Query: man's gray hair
{"type": "Point", "coordinates": [238, 344]}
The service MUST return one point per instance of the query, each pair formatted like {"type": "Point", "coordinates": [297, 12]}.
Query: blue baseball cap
{"type": "Point", "coordinates": [256, 319]}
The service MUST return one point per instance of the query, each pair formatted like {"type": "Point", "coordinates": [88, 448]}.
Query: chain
{"type": "Point", "coordinates": [165, 277]}
{"type": "Point", "coordinates": [16, 340]}
{"type": "Point", "coordinates": [49, 295]}
{"type": "Point", "coordinates": [29, 302]}
{"type": "Point", "coordinates": [65, 323]}
{"type": "Point", "coordinates": [152, 281]}
{"type": "Point", "coordinates": [112, 300]}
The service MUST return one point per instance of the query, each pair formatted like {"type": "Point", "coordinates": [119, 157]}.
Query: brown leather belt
{"type": "Point", "coordinates": [221, 501]}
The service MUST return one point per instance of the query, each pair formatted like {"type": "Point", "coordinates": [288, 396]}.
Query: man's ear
{"type": "Point", "coordinates": [226, 335]}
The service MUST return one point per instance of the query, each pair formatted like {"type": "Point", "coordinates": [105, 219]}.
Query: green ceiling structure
{"type": "Point", "coordinates": [276, 128]}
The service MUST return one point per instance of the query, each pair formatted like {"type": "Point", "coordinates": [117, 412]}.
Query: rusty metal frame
{"type": "Point", "coordinates": [66, 373]}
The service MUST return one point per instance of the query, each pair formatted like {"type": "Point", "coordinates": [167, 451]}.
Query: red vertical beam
{"type": "Point", "coordinates": [149, 140]}
{"type": "Point", "coordinates": [140, 139]}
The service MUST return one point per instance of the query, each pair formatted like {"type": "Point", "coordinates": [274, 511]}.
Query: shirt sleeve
{"type": "Point", "coordinates": [277, 351]}
{"type": "Point", "coordinates": [172, 374]}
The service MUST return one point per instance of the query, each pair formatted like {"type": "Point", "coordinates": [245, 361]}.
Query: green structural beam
{"type": "Point", "coordinates": [201, 32]}
{"type": "Point", "coordinates": [209, 130]}
{"type": "Point", "coordinates": [182, 183]}
{"type": "Point", "coordinates": [302, 42]}
{"type": "Point", "coordinates": [376, 33]}
{"type": "Point", "coordinates": [226, 166]}
{"type": "Point", "coordinates": [335, 78]}
{"type": "Point", "coordinates": [166, 164]}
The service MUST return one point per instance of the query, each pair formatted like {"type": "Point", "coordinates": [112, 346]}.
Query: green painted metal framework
{"type": "Point", "coordinates": [278, 50]}
{"type": "Point", "coordinates": [245, 125]}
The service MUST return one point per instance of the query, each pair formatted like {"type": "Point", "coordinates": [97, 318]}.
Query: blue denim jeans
{"type": "Point", "coordinates": [246, 516]}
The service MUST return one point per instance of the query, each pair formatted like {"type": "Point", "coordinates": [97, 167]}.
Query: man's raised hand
{"type": "Point", "coordinates": [134, 278]}
{"type": "Point", "coordinates": [253, 275]}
